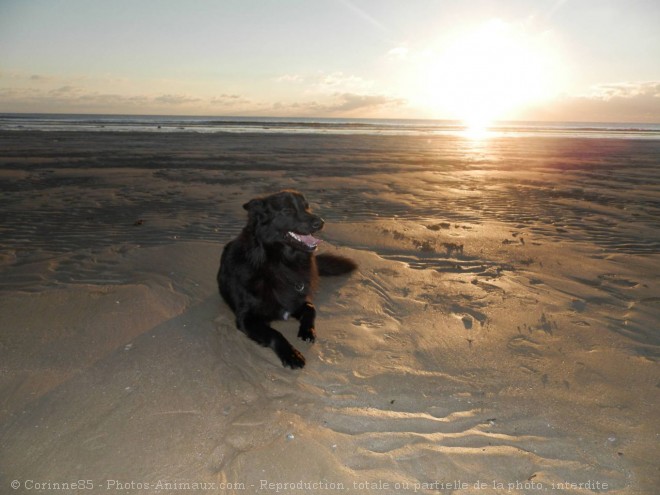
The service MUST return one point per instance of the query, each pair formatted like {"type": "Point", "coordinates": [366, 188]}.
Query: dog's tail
{"type": "Point", "coordinates": [329, 265]}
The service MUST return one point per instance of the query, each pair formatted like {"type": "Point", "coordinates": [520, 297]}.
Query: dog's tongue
{"type": "Point", "coordinates": [309, 240]}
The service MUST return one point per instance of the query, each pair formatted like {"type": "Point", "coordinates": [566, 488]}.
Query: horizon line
{"type": "Point", "coordinates": [293, 117]}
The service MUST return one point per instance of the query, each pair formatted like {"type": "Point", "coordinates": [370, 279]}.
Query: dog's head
{"type": "Point", "coordinates": [284, 217]}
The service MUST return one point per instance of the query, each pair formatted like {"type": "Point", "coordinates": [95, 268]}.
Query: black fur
{"type": "Point", "coordinates": [268, 274]}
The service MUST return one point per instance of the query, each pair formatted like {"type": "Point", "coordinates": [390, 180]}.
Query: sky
{"type": "Point", "coordinates": [474, 60]}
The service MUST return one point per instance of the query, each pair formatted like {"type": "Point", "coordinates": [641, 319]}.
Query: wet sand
{"type": "Point", "coordinates": [500, 336]}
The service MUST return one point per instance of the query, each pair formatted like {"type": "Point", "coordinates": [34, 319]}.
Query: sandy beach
{"type": "Point", "coordinates": [500, 336]}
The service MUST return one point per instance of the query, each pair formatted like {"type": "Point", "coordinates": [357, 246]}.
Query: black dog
{"type": "Point", "coordinates": [269, 271]}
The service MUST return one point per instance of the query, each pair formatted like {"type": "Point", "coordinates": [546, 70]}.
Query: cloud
{"type": "Point", "coordinates": [344, 104]}
{"type": "Point", "coordinates": [25, 78]}
{"type": "Point", "coordinates": [71, 98]}
{"type": "Point", "coordinates": [349, 102]}
{"type": "Point", "coordinates": [67, 91]}
{"type": "Point", "coordinates": [626, 90]}
{"type": "Point", "coordinates": [334, 94]}
{"type": "Point", "coordinates": [607, 102]}
{"type": "Point", "coordinates": [290, 78]}
{"type": "Point", "coordinates": [328, 83]}
{"type": "Point", "coordinates": [398, 53]}
{"type": "Point", "coordinates": [176, 99]}
{"type": "Point", "coordinates": [40, 79]}
{"type": "Point", "coordinates": [338, 81]}
{"type": "Point", "coordinates": [229, 100]}
{"type": "Point", "coordinates": [8, 95]}
{"type": "Point", "coordinates": [321, 94]}
{"type": "Point", "coordinates": [330, 94]}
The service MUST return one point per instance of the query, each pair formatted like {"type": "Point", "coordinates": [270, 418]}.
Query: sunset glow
{"type": "Point", "coordinates": [486, 73]}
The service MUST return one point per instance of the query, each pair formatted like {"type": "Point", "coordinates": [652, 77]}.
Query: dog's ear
{"type": "Point", "coordinates": [254, 205]}
{"type": "Point", "coordinates": [256, 209]}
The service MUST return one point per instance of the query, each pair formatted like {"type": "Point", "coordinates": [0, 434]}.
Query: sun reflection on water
{"type": "Point", "coordinates": [476, 130]}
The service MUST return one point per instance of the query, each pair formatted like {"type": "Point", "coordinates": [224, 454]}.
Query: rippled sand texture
{"type": "Point", "coordinates": [500, 336]}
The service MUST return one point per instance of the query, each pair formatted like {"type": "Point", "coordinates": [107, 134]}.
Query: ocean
{"type": "Point", "coordinates": [299, 125]}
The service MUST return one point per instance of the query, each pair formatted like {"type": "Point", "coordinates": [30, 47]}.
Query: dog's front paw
{"type": "Point", "coordinates": [307, 334]}
{"type": "Point", "coordinates": [291, 358]}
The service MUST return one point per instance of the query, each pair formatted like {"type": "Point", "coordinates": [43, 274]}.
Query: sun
{"type": "Point", "coordinates": [486, 74]}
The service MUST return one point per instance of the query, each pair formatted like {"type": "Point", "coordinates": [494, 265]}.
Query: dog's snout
{"type": "Point", "coordinates": [318, 223]}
